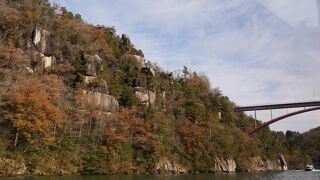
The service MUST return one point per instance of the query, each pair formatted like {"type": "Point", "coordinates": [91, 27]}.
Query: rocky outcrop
{"type": "Point", "coordinates": [99, 101]}
{"type": "Point", "coordinates": [10, 167]}
{"type": "Point", "coordinates": [283, 162]}
{"type": "Point", "coordinates": [125, 40]}
{"type": "Point", "coordinates": [148, 70]}
{"type": "Point", "coordinates": [259, 164]}
{"type": "Point", "coordinates": [47, 61]}
{"type": "Point", "coordinates": [224, 165]}
{"type": "Point", "coordinates": [97, 98]}
{"type": "Point", "coordinates": [42, 41]}
{"type": "Point", "coordinates": [145, 96]}
{"type": "Point", "coordinates": [93, 65]}
{"type": "Point", "coordinates": [96, 84]}
{"type": "Point", "coordinates": [88, 79]}
{"type": "Point", "coordinates": [251, 164]}
{"type": "Point", "coordinates": [165, 166]}
{"type": "Point", "coordinates": [136, 61]}
{"type": "Point", "coordinates": [140, 63]}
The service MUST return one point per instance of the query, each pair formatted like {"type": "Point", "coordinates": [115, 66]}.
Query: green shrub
{"type": "Point", "coordinates": [94, 163]}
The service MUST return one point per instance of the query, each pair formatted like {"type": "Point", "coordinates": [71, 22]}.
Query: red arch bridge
{"type": "Point", "coordinates": [307, 107]}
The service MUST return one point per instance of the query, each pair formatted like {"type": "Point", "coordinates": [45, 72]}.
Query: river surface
{"type": "Point", "coordinates": [287, 175]}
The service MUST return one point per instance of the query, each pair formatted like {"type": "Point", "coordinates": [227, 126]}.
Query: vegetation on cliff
{"type": "Point", "coordinates": [51, 122]}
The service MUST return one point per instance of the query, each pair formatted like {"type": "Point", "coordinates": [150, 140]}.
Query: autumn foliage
{"type": "Point", "coordinates": [131, 129]}
{"type": "Point", "coordinates": [34, 109]}
{"type": "Point", "coordinates": [46, 119]}
{"type": "Point", "coordinates": [192, 137]}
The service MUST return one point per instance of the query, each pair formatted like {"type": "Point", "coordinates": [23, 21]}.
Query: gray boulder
{"type": "Point", "coordinates": [136, 61]}
{"type": "Point", "coordinates": [41, 60]}
{"type": "Point", "coordinates": [48, 61]}
{"type": "Point", "coordinates": [42, 40]}
{"type": "Point", "coordinates": [145, 96]}
{"type": "Point", "coordinates": [93, 65]}
{"type": "Point", "coordinates": [96, 84]}
{"type": "Point", "coordinates": [99, 101]}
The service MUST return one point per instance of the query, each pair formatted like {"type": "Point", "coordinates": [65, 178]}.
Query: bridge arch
{"type": "Point", "coordinates": [282, 117]}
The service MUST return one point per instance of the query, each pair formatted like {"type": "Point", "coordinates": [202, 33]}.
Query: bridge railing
{"type": "Point", "coordinates": [277, 106]}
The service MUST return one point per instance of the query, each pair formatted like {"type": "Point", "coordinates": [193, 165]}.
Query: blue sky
{"type": "Point", "coordinates": [255, 51]}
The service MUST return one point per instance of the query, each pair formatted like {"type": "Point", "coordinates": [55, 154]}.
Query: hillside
{"type": "Point", "coordinates": [79, 99]}
{"type": "Point", "coordinates": [308, 142]}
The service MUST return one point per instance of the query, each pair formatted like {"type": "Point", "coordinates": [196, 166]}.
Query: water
{"type": "Point", "coordinates": [286, 175]}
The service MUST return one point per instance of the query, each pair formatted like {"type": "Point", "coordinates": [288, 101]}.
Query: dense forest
{"type": "Point", "coordinates": [79, 99]}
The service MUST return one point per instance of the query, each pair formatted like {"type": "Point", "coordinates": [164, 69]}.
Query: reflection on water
{"type": "Point", "coordinates": [286, 175]}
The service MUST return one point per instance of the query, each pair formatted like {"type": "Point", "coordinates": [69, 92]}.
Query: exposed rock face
{"type": "Point", "coordinates": [149, 71]}
{"type": "Point", "coordinates": [89, 79]}
{"type": "Point", "coordinates": [42, 41]}
{"type": "Point", "coordinates": [41, 60]}
{"type": "Point", "coordinates": [255, 164]}
{"type": "Point", "coordinates": [145, 96]}
{"type": "Point", "coordinates": [96, 84]}
{"type": "Point", "coordinates": [125, 40]}
{"type": "Point", "coordinates": [283, 162]}
{"type": "Point", "coordinates": [9, 167]}
{"type": "Point", "coordinates": [97, 97]}
{"type": "Point", "coordinates": [165, 166]}
{"type": "Point", "coordinates": [137, 61]}
{"type": "Point", "coordinates": [99, 101]}
{"type": "Point", "coordinates": [225, 165]}
{"type": "Point", "coordinates": [258, 164]}
{"type": "Point", "coordinates": [93, 64]}
{"type": "Point", "coordinates": [140, 60]}
{"type": "Point", "coordinates": [48, 61]}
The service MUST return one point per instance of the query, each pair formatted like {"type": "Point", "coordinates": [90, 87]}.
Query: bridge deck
{"type": "Point", "coordinates": [278, 106]}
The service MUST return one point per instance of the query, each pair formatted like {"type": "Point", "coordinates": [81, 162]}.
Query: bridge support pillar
{"type": "Point", "coordinates": [255, 119]}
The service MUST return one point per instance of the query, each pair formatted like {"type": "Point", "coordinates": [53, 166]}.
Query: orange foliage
{"type": "Point", "coordinates": [129, 128]}
{"type": "Point", "coordinates": [92, 34]}
{"type": "Point", "coordinates": [192, 136]}
{"type": "Point", "coordinates": [10, 57]}
{"type": "Point", "coordinates": [34, 109]}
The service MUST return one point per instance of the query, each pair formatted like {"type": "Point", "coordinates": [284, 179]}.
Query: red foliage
{"type": "Point", "coordinates": [129, 128]}
{"type": "Point", "coordinates": [192, 136]}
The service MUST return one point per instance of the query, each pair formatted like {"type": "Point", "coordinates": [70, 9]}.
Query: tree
{"type": "Point", "coordinates": [34, 110]}
{"type": "Point", "coordinates": [192, 137]}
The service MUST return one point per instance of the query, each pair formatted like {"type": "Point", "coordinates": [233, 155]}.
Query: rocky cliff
{"type": "Point", "coordinates": [226, 165]}
{"type": "Point", "coordinates": [165, 166]}
{"type": "Point", "coordinates": [259, 164]}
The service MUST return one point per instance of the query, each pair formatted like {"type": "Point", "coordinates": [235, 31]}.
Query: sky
{"type": "Point", "coordinates": [254, 51]}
